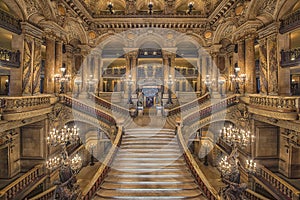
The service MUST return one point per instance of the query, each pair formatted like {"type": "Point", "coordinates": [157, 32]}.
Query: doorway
{"type": "Point", "coordinates": [149, 102]}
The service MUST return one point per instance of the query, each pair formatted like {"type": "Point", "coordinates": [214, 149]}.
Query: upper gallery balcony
{"type": "Point", "coordinates": [290, 22]}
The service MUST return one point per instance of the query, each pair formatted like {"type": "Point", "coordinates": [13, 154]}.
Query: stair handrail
{"type": "Point", "coordinates": [76, 104]}
{"type": "Point", "coordinates": [20, 183]}
{"type": "Point", "coordinates": [281, 185]}
{"type": "Point", "coordinates": [210, 109]}
{"type": "Point", "coordinates": [47, 194]}
{"type": "Point", "coordinates": [250, 194]}
{"type": "Point", "coordinates": [189, 105]}
{"type": "Point", "coordinates": [109, 105]}
{"type": "Point", "coordinates": [89, 191]}
{"type": "Point", "coordinates": [203, 183]}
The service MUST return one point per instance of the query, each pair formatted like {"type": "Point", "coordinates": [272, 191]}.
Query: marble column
{"type": "Point", "coordinates": [250, 65]}
{"type": "Point", "coordinates": [199, 81]}
{"type": "Point", "coordinates": [241, 55]}
{"type": "Point", "coordinates": [36, 67]}
{"type": "Point", "coordinates": [58, 56]}
{"type": "Point", "coordinates": [70, 70]}
{"type": "Point", "coordinates": [27, 76]}
{"type": "Point", "coordinates": [215, 75]}
{"type": "Point", "coordinates": [284, 78]}
{"type": "Point", "coordinates": [272, 65]}
{"type": "Point", "coordinates": [263, 66]}
{"type": "Point", "coordinates": [166, 71]}
{"type": "Point", "coordinates": [134, 71]}
{"type": "Point", "coordinates": [49, 66]}
{"type": "Point", "coordinates": [101, 75]}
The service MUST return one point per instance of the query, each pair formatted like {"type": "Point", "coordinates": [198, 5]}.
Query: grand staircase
{"type": "Point", "coordinates": [149, 165]}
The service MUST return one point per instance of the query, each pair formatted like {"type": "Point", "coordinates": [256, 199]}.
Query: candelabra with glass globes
{"type": "Point", "coordinates": [229, 165]}
{"type": "Point", "coordinates": [68, 167]}
{"type": "Point", "coordinates": [237, 79]}
{"type": "Point", "coordinates": [170, 82]}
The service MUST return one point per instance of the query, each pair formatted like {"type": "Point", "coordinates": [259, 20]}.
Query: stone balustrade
{"type": "Point", "coordinates": [251, 195]}
{"type": "Point", "coordinates": [189, 105]}
{"type": "Point", "coordinates": [290, 57]}
{"type": "Point", "coordinates": [108, 105]}
{"type": "Point", "coordinates": [89, 191]}
{"type": "Point", "coordinates": [209, 110]}
{"type": "Point", "coordinates": [26, 103]}
{"type": "Point", "coordinates": [283, 104]}
{"type": "Point", "coordinates": [203, 183]}
{"type": "Point", "coordinates": [89, 110]}
{"type": "Point", "coordinates": [48, 194]}
{"type": "Point", "coordinates": [9, 58]}
{"type": "Point", "coordinates": [290, 22]}
{"type": "Point", "coordinates": [279, 184]}
{"type": "Point", "coordinates": [9, 22]}
{"type": "Point", "coordinates": [10, 191]}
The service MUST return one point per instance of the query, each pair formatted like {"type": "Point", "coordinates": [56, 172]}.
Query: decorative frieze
{"type": "Point", "coordinates": [9, 22]}
{"type": "Point", "coordinates": [290, 22]}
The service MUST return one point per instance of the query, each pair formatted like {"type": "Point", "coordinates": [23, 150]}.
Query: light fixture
{"type": "Point", "coordinates": [237, 79]}
{"type": "Point", "coordinates": [170, 82]}
{"type": "Point", "coordinates": [190, 7]}
{"type": "Point", "coordinates": [110, 7]}
{"type": "Point", "coordinates": [150, 6]}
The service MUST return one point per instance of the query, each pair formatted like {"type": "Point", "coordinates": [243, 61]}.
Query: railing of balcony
{"type": "Point", "coordinates": [152, 53]}
{"type": "Point", "coordinates": [251, 195]}
{"type": "Point", "coordinates": [89, 110]}
{"type": "Point", "coordinates": [48, 194]}
{"type": "Point", "coordinates": [284, 104]}
{"type": "Point", "coordinates": [203, 183]}
{"type": "Point", "coordinates": [10, 191]}
{"type": "Point", "coordinates": [89, 191]}
{"type": "Point", "coordinates": [28, 103]}
{"type": "Point", "coordinates": [9, 58]}
{"type": "Point", "coordinates": [10, 23]}
{"type": "Point", "coordinates": [290, 22]}
{"type": "Point", "coordinates": [189, 105]}
{"type": "Point", "coordinates": [282, 186]}
{"type": "Point", "coordinates": [290, 57]}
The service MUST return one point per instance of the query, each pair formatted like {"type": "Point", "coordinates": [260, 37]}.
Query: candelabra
{"type": "Point", "coordinates": [92, 147]}
{"type": "Point", "coordinates": [78, 82]}
{"type": "Point", "coordinates": [110, 8]}
{"type": "Point", "coordinates": [150, 6]}
{"type": "Point", "coordinates": [237, 79]}
{"type": "Point", "coordinates": [208, 83]}
{"type": "Point", "coordinates": [221, 82]}
{"type": "Point", "coordinates": [170, 82]}
{"type": "Point", "coordinates": [62, 78]}
{"type": "Point", "coordinates": [68, 167]}
{"type": "Point", "coordinates": [91, 83]}
{"type": "Point", "coordinates": [190, 7]}
{"type": "Point", "coordinates": [229, 165]}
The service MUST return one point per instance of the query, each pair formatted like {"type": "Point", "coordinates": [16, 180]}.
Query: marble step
{"type": "Point", "coordinates": [154, 151]}
{"type": "Point", "coordinates": [150, 176]}
{"type": "Point", "coordinates": [152, 193]}
{"type": "Point", "coordinates": [148, 155]}
{"type": "Point", "coordinates": [151, 158]}
{"type": "Point", "coordinates": [149, 180]}
{"type": "Point", "coordinates": [182, 186]}
{"type": "Point", "coordinates": [153, 139]}
{"type": "Point", "coordinates": [148, 135]}
{"type": "Point", "coordinates": [150, 146]}
{"type": "Point", "coordinates": [146, 170]}
{"type": "Point", "coordinates": [184, 172]}
{"type": "Point", "coordinates": [147, 165]}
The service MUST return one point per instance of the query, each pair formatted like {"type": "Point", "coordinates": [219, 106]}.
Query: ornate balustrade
{"type": "Point", "coordinates": [290, 22]}
{"type": "Point", "coordinates": [23, 104]}
{"type": "Point", "coordinates": [48, 194]}
{"type": "Point", "coordinates": [290, 57]}
{"type": "Point", "coordinates": [9, 58]}
{"type": "Point", "coordinates": [282, 186]}
{"type": "Point", "coordinates": [13, 189]}
{"type": "Point", "coordinates": [108, 105]}
{"type": "Point", "coordinates": [10, 23]}
{"type": "Point", "coordinates": [189, 105]}
{"type": "Point", "coordinates": [203, 183]}
{"type": "Point", "coordinates": [208, 110]}
{"type": "Point", "coordinates": [283, 104]}
{"type": "Point", "coordinates": [251, 195]}
{"type": "Point", "coordinates": [89, 191]}
{"type": "Point", "coordinates": [89, 110]}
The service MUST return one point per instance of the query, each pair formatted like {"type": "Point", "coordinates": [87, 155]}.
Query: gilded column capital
{"type": "Point", "coordinates": [31, 30]}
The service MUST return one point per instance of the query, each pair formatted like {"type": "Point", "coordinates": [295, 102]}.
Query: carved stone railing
{"type": "Point", "coordinates": [189, 105]}
{"type": "Point", "coordinates": [89, 110]}
{"type": "Point", "coordinates": [290, 22]}
{"type": "Point", "coordinates": [203, 183]}
{"type": "Point", "coordinates": [48, 194]}
{"type": "Point", "coordinates": [279, 184]}
{"type": "Point", "coordinates": [275, 103]}
{"type": "Point", "coordinates": [13, 189]}
{"type": "Point", "coordinates": [10, 23]}
{"type": "Point", "coordinates": [209, 110]}
{"type": "Point", "coordinates": [108, 105]}
{"type": "Point", "coordinates": [290, 57]}
{"type": "Point", "coordinates": [9, 58]}
{"type": "Point", "coordinates": [26, 103]}
{"type": "Point", "coordinates": [251, 195]}
{"type": "Point", "coordinates": [90, 190]}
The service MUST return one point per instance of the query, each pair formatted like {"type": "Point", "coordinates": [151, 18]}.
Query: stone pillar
{"type": "Point", "coordinates": [263, 66]}
{"type": "Point", "coordinates": [169, 67]}
{"type": "Point", "coordinates": [250, 65]}
{"type": "Point", "coordinates": [15, 84]}
{"type": "Point", "coordinates": [70, 70]}
{"type": "Point", "coordinates": [272, 65]}
{"type": "Point", "coordinates": [284, 78]}
{"type": "Point", "coordinates": [241, 55]}
{"type": "Point", "coordinates": [199, 80]}
{"type": "Point", "coordinates": [58, 56]}
{"type": "Point", "coordinates": [166, 72]}
{"type": "Point", "coordinates": [101, 75]}
{"type": "Point", "coordinates": [27, 76]}
{"type": "Point", "coordinates": [37, 59]}
{"type": "Point", "coordinates": [49, 65]}
{"type": "Point", "coordinates": [134, 71]}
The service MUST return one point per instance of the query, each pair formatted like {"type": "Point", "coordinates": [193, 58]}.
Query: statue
{"type": "Point", "coordinates": [140, 100]}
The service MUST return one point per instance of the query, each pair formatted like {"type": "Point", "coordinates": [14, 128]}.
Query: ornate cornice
{"type": "Point", "coordinates": [32, 30]}
{"type": "Point", "coordinates": [269, 30]}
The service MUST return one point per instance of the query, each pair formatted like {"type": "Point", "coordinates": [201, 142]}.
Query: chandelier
{"type": "Point", "coordinates": [63, 136]}
{"type": "Point", "coordinates": [236, 136]}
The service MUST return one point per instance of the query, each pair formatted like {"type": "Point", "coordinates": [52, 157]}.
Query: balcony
{"type": "Point", "coordinates": [290, 22]}
{"type": "Point", "coordinates": [10, 23]}
{"type": "Point", "coordinates": [9, 58]}
{"type": "Point", "coordinates": [150, 53]}
{"type": "Point", "coordinates": [290, 57]}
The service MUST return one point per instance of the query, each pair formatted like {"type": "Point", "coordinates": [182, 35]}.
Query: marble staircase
{"type": "Point", "coordinates": [149, 165]}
